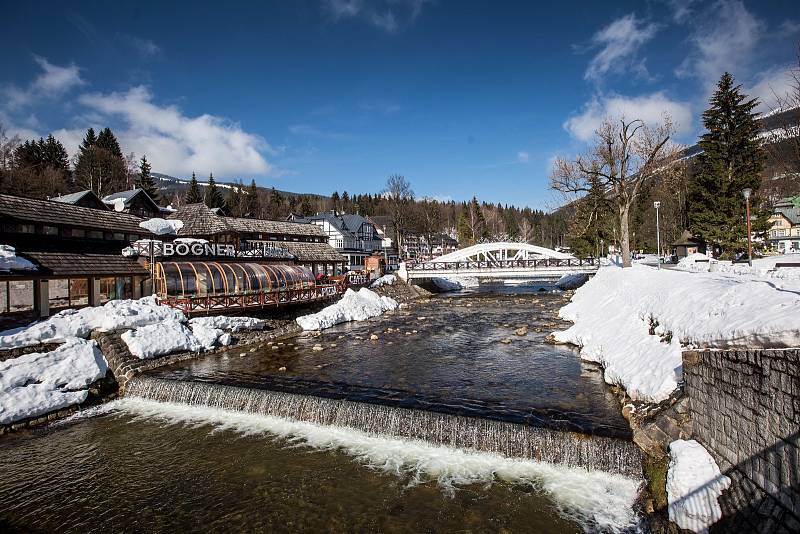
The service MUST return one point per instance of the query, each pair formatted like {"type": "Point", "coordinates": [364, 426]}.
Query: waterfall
{"type": "Point", "coordinates": [509, 439]}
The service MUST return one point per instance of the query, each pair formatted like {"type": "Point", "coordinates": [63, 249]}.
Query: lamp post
{"type": "Point", "coordinates": [656, 205]}
{"type": "Point", "coordinates": [746, 192]}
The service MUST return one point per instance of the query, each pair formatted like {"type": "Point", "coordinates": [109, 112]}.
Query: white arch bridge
{"type": "Point", "coordinates": [503, 261]}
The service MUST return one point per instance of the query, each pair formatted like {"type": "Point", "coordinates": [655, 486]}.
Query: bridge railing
{"type": "Point", "coordinates": [542, 263]}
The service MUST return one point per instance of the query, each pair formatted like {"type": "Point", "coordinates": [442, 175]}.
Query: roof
{"type": "Point", "coordinates": [199, 219]}
{"type": "Point", "coordinates": [74, 198]}
{"type": "Point", "coordinates": [687, 239]}
{"type": "Point", "coordinates": [128, 197]}
{"type": "Point", "coordinates": [51, 212]}
{"type": "Point", "coordinates": [789, 207]}
{"type": "Point", "coordinates": [312, 251]}
{"type": "Point", "coordinates": [74, 264]}
{"type": "Point", "coordinates": [347, 224]}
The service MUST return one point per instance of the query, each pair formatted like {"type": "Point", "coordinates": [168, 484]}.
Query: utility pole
{"type": "Point", "coordinates": [746, 192]}
{"type": "Point", "coordinates": [656, 205]}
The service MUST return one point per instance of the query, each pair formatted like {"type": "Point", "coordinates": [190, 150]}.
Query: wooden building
{"type": "Point", "coordinates": [76, 252]}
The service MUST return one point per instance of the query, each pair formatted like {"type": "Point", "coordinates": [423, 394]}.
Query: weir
{"type": "Point", "coordinates": [508, 439]}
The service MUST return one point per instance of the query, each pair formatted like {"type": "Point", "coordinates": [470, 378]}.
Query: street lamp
{"type": "Point", "coordinates": [746, 192]}
{"type": "Point", "coordinates": [656, 205]}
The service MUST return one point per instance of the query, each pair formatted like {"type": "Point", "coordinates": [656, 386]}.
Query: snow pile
{"type": "Point", "coordinates": [9, 260]}
{"type": "Point", "coordinates": [159, 226]}
{"type": "Point", "coordinates": [114, 315]}
{"type": "Point", "coordinates": [234, 324]}
{"type": "Point", "coordinates": [353, 306]}
{"type": "Point", "coordinates": [696, 263]}
{"type": "Point", "coordinates": [614, 312]}
{"type": "Point", "coordinates": [387, 279]}
{"type": "Point", "coordinates": [38, 383]}
{"type": "Point", "coordinates": [572, 280]}
{"type": "Point", "coordinates": [163, 338]}
{"type": "Point", "coordinates": [694, 483]}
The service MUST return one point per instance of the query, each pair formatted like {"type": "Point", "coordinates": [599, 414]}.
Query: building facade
{"type": "Point", "coordinates": [784, 232]}
{"type": "Point", "coordinates": [353, 236]}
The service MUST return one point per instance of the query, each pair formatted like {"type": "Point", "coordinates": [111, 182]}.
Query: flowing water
{"type": "Point", "coordinates": [437, 430]}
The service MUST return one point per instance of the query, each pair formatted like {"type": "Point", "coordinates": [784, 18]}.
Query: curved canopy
{"type": "Point", "coordinates": [502, 251]}
{"type": "Point", "coordinates": [199, 279]}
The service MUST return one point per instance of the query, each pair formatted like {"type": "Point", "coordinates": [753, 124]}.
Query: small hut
{"type": "Point", "coordinates": [688, 244]}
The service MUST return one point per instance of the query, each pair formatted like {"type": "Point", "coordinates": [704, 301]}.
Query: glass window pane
{"type": "Point", "coordinates": [78, 292]}
{"type": "Point", "coordinates": [21, 294]}
{"type": "Point", "coordinates": [3, 297]}
{"type": "Point", "coordinates": [59, 293]}
{"type": "Point", "coordinates": [108, 289]}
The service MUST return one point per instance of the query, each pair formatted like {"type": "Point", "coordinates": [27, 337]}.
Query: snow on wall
{"type": "Point", "coordinates": [159, 226]}
{"type": "Point", "coordinates": [694, 483]}
{"type": "Point", "coordinates": [612, 316]}
{"type": "Point", "coordinates": [162, 338]}
{"type": "Point", "coordinates": [353, 306]}
{"type": "Point", "coordinates": [38, 383]}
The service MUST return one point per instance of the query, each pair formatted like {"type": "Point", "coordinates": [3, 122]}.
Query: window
{"type": "Point", "coordinates": [124, 287]}
{"type": "Point", "coordinates": [50, 230]}
{"type": "Point", "coordinates": [59, 293]}
{"type": "Point", "coordinates": [20, 296]}
{"type": "Point", "coordinates": [3, 297]}
{"type": "Point", "coordinates": [108, 289]}
{"type": "Point", "coordinates": [78, 292]}
{"type": "Point", "coordinates": [133, 237]}
{"type": "Point", "coordinates": [74, 232]}
{"type": "Point", "coordinates": [95, 234]}
{"type": "Point", "coordinates": [118, 236]}
{"type": "Point", "coordinates": [25, 228]}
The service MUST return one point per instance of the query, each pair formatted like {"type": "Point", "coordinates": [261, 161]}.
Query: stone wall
{"type": "Point", "coordinates": [745, 408]}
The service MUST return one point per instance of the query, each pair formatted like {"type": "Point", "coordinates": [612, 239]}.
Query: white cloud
{"type": "Point", "coordinates": [770, 86]}
{"type": "Point", "coordinates": [619, 42]}
{"type": "Point", "coordinates": [145, 47]}
{"type": "Point", "coordinates": [175, 143]}
{"type": "Point", "coordinates": [54, 80]}
{"type": "Point", "coordinates": [387, 15]}
{"type": "Point", "coordinates": [724, 42]}
{"type": "Point", "coordinates": [649, 108]}
{"type": "Point", "coordinates": [789, 28]}
{"type": "Point", "coordinates": [681, 9]}
{"type": "Point", "coordinates": [523, 157]}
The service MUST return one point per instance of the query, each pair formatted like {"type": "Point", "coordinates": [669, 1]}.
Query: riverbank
{"type": "Point", "coordinates": [164, 337]}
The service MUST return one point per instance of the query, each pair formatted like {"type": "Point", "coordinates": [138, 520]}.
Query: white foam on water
{"type": "Point", "coordinates": [596, 499]}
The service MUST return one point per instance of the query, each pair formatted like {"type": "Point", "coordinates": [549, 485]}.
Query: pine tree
{"type": "Point", "coordinates": [145, 180]}
{"type": "Point", "coordinates": [193, 195]}
{"type": "Point", "coordinates": [305, 206]}
{"type": "Point", "coordinates": [732, 160]}
{"type": "Point", "coordinates": [463, 228]}
{"type": "Point", "coordinates": [100, 165]}
{"type": "Point", "coordinates": [253, 202]}
{"type": "Point", "coordinates": [335, 200]}
{"type": "Point", "coordinates": [213, 196]}
{"type": "Point", "coordinates": [107, 140]}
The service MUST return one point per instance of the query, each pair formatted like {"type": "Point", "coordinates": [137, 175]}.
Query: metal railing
{"type": "Point", "coordinates": [220, 303]}
{"type": "Point", "coordinates": [542, 263]}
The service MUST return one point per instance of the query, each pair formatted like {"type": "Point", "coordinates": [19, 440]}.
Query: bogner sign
{"type": "Point", "coordinates": [201, 248]}
{"type": "Point", "coordinates": [197, 249]}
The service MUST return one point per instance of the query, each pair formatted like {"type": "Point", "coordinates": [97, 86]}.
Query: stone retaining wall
{"type": "Point", "coordinates": [745, 408]}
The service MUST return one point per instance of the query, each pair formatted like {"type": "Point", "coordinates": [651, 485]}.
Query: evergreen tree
{"type": "Point", "coordinates": [275, 209]}
{"type": "Point", "coordinates": [145, 180]}
{"type": "Point", "coordinates": [253, 202]}
{"type": "Point", "coordinates": [193, 195]}
{"type": "Point", "coordinates": [335, 200]}
{"type": "Point", "coordinates": [305, 206]}
{"type": "Point", "coordinates": [732, 160]}
{"type": "Point", "coordinates": [107, 140]}
{"type": "Point", "coordinates": [465, 238]}
{"type": "Point", "coordinates": [213, 197]}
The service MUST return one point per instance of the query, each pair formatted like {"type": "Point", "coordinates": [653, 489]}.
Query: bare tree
{"type": "Point", "coordinates": [783, 140]}
{"type": "Point", "coordinates": [399, 194]}
{"type": "Point", "coordinates": [625, 154]}
{"type": "Point", "coordinates": [7, 146]}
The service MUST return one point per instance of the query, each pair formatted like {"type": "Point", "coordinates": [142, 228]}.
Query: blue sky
{"type": "Point", "coordinates": [463, 98]}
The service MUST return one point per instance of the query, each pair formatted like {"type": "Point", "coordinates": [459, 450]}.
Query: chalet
{"type": "Point", "coordinates": [351, 235]}
{"type": "Point", "coordinates": [135, 201]}
{"type": "Point", "coordinates": [76, 254]}
{"type": "Point", "coordinates": [84, 199]}
{"type": "Point", "coordinates": [784, 232]}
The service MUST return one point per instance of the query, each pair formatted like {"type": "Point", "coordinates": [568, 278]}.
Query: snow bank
{"type": "Point", "coordinates": [9, 260]}
{"type": "Point", "coordinates": [694, 483]}
{"type": "Point", "coordinates": [612, 320]}
{"type": "Point", "coordinates": [387, 279]}
{"type": "Point", "coordinates": [762, 267]}
{"type": "Point", "coordinates": [353, 306]}
{"type": "Point", "coordinates": [696, 263]}
{"type": "Point", "coordinates": [163, 338]}
{"type": "Point", "coordinates": [159, 226]}
{"type": "Point", "coordinates": [38, 383]}
{"type": "Point", "coordinates": [234, 324]}
{"type": "Point", "coordinates": [114, 315]}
